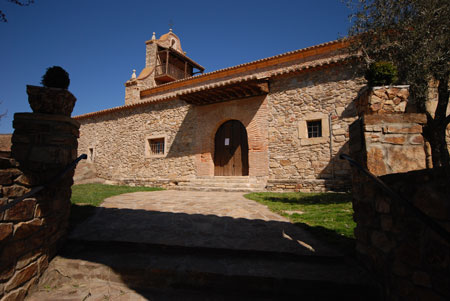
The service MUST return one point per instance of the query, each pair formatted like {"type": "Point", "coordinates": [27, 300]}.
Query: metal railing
{"type": "Point", "coordinates": [36, 189]}
{"type": "Point", "coordinates": [438, 229]}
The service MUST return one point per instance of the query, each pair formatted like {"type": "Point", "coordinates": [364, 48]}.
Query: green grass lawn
{"type": "Point", "coordinates": [94, 194]}
{"type": "Point", "coordinates": [328, 215]}
{"type": "Point", "coordinates": [86, 197]}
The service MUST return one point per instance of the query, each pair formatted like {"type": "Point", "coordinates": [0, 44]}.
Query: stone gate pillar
{"type": "Point", "coordinates": [32, 231]}
{"type": "Point", "coordinates": [386, 139]}
{"type": "Point", "coordinates": [394, 240]}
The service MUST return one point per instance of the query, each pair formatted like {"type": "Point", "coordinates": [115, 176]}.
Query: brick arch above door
{"type": "Point", "coordinates": [252, 113]}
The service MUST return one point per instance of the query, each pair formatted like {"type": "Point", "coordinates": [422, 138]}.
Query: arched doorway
{"type": "Point", "coordinates": [231, 150]}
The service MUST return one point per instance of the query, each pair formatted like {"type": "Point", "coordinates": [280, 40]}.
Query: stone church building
{"type": "Point", "coordinates": [278, 123]}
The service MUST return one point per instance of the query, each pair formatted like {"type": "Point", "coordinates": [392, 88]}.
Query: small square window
{"type": "Point", "coordinates": [314, 128]}
{"type": "Point", "coordinates": [156, 146]}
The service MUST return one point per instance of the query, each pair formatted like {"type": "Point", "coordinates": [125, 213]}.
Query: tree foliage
{"type": "Point", "coordinates": [56, 77]}
{"type": "Point", "coordinates": [415, 36]}
{"type": "Point", "coordinates": [381, 74]}
{"type": "Point", "coordinates": [20, 3]}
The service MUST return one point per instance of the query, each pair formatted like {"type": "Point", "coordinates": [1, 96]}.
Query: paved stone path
{"type": "Point", "coordinates": [197, 219]}
{"type": "Point", "coordinates": [200, 221]}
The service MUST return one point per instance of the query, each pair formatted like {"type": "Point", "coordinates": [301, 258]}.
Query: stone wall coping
{"type": "Point", "coordinates": [392, 86]}
{"type": "Point", "coordinates": [395, 118]}
{"type": "Point", "coordinates": [47, 117]}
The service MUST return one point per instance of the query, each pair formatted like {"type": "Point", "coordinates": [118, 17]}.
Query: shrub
{"type": "Point", "coordinates": [56, 77]}
{"type": "Point", "coordinates": [381, 74]}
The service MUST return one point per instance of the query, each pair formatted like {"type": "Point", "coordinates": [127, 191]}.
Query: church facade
{"type": "Point", "coordinates": [281, 121]}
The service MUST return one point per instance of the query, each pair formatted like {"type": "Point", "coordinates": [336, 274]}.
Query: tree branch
{"type": "Point", "coordinates": [17, 2]}
{"type": "Point", "coordinates": [22, 3]}
{"type": "Point", "coordinates": [3, 17]}
{"type": "Point", "coordinates": [443, 95]}
{"type": "Point", "coordinates": [447, 121]}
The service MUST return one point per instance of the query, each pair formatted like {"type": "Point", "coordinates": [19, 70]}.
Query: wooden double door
{"type": "Point", "coordinates": [231, 150]}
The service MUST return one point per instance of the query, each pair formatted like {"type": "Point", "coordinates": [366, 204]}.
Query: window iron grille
{"type": "Point", "coordinates": [314, 128]}
{"type": "Point", "coordinates": [157, 146]}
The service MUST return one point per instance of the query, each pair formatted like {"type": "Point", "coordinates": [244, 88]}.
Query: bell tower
{"type": "Point", "coordinates": [165, 62]}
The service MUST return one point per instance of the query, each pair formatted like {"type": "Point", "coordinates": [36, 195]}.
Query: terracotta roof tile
{"type": "Point", "coordinates": [168, 95]}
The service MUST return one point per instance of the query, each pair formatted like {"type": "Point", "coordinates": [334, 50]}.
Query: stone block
{"type": "Point", "coordinates": [361, 234]}
{"type": "Point", "coordinates": [16, 295]}
{"type": "Point", "coordinates": [375, 107]}
{"type": "Point", "coordinates": [400, 268]}
{"type": "Point", "coordinates": [403, 287]}
{"type": "Point", "coordinates": [8, 175]}
{"type": "Point", "coordinates": [417, 140]}
{"type": "Point", "coordinates": [25, 229]}
{"type": "Point", "coordinates": [43, 263]}
{"type": "Point", "coordinates": [5, 231]}
{"type": "Point", "coordinates": [22, 276]}
{"type": "Point", "coordinates": [399, 140]}
{"type": "Point", "coordinates": [27, 180]}
{"type": "Point", "coordinates": [24, 210]}
{"type": "Point", "coordinates": [285, 162]}
{"type": "Point", "coordinates": [7, 267]}
{"type": "Point", "coordinates": [421, 278]}
{"type": "Point", "coordinates": [408, 252]}
{"type": "Point", "coordinates": [403, 94]}
{"type": "Point", "coordinates": [380, 93]}
{"type": "Point", "coordinates": [376, 161]}
{"type": "Point", "coordinates": [6, 163]}
{"type": "Point", "coordinates": [381, 241]}
{"type": "Point", "coordinates": [28, 258]}
{"type": "Point", "coordinates": [14, 191]}
{"type": "Point", "coordinates": [406, 128]}
{"type": "Point", "coordinates": [386, 222]}
{"type": "Point", "coordinates": [428, 200]}
{"type": "Point", "coordinates": [403, 159]}
{"type": "Point", "coordinates": [410, 118]}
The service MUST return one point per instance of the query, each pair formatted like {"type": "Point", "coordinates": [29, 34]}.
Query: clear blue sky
{"type": "Point", "coordinates": [99, 42]}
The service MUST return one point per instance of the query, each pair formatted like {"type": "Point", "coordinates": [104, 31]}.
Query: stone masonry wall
{"type": "Point", "coordinates": [32, 231]}
{"type": "Point", "coordinates": [389, 143]}
{"type": "Point", "coordinates": [278, 148]}
{"type": "Point", "coordinates": [383, 100]}
{"type": "Point", "coordinates": [409, 259]}
{"type": "Point", "coordinates": [297, 162]}
{"type": "Point", "coordinates": [119, 139]}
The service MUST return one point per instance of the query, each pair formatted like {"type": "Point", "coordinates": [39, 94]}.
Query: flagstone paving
{"type": "Point", "coordinates": [197, 219]}
{"type": "Point", "coordinates": [194, 245]}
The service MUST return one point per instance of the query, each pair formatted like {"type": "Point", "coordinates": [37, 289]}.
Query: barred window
{"type": "Point", "coordinates": [156, 146]}
{"type": "Point", "coordinates": [314, 128]}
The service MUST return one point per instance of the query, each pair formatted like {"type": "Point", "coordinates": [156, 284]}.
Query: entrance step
{"type": "Point", "coordinates": [148, 272]}
{"type": "Point", "coordinates": [222, 183]}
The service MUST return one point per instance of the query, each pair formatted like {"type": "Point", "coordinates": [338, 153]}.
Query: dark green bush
{"type": "Point", "coordinates": [56, 77]}
{"type": "Point", "coordinates": [381, 74]}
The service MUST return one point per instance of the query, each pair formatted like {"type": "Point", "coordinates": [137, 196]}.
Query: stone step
{"type": "Point", "coordinates": [221, 184]}
{"type": "Point", "coordinates": [216, 189]}
{"type": "Point", "coordinates": [203, 272]}
{"type": "Point", "coordinates": [227, 179]}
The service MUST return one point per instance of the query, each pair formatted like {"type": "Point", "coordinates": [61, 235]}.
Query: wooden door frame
{"type": "Point", "coordinates": [243, 150]}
